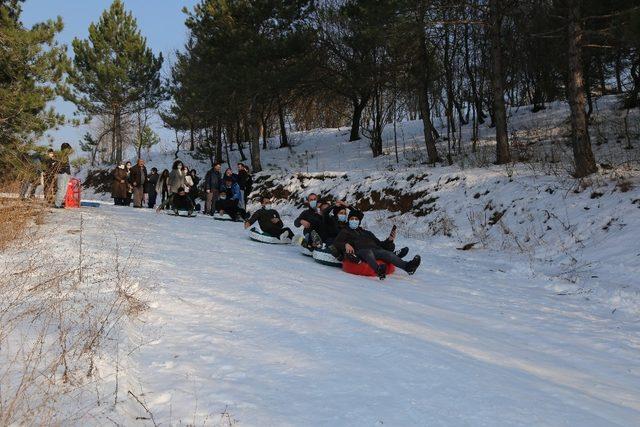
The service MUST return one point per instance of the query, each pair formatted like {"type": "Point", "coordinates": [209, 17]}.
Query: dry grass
{"type": "Point", "coordinates": [60, 313]}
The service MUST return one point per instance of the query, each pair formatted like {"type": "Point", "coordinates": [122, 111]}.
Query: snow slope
{"type": "Point", "coordinates": [243, 333]}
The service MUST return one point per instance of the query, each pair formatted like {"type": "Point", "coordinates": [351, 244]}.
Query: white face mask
{"type": "Point", "coordinates": [121, 166]}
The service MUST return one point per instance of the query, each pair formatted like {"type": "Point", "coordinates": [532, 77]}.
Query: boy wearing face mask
{"type": "Point", "coordinates": [312, 223]}
{"type": "Point", "coordinates": [269, 221]}
{"type": "Point", "coordinates": [355, 240]}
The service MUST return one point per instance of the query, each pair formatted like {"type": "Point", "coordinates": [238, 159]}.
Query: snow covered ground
{"type": "Point", "coordinates": [243, 333]}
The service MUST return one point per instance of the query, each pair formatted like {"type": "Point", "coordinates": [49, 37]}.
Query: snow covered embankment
{"type": "Point", "coordinates": [580, 231]}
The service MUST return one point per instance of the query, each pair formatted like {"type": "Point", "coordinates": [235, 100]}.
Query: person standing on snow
{"type": "Point", "coordinates": [138, 178]}
{"type": "Point", "coordinates": [193, 190]}
{"type": "Point", "coordinates": [176, 177]}
{"type": "Point", "coordinates": [212, 183]}
{"type": "Point", "coordinates": [162, 187]}
{"type": "Point", "coordinates": [63, 174]}
{"type": "Point", "coordinates": [119, 185]}
{"type": "Point", "coordinates": [269, 221]}
{"type": "Point", "coordinates": [355, 240]}
{"type": "Point", "coordinates": [150, 188]}
{"type": "Point", "coordinates": [245, 182]}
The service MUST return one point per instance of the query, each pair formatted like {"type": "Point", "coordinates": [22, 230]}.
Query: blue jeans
{"type": "Point", "coordinates": [62, 180]}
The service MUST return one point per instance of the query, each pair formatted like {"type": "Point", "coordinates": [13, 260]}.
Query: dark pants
{"type": "Point", "coordinates": [371, 255]}
{"type": "Point", "coordinates": [152, 199]}
{"type": "Point", "coordinates": [276, 230]}
{"type": "Point", "coordinates": [119, 201]}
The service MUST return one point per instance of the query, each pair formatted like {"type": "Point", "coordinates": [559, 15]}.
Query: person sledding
{"type": "Point", "coordinates": [312, 224]}
{"type": "Point", "coordinates": [180, 202]}
{"type": "Point", "coordinates": [335, 219]}
{"type": "Point", "coordinates": [229, 201]}
{"type": "Point", "coordinates": [269, 221]}
{"type": "Point", "coordinates": [357, 244]}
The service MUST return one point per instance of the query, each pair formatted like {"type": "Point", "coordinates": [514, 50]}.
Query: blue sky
{"type": "Point", "coordinates": [161, 22]}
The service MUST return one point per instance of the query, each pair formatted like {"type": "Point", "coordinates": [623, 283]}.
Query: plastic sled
{"type": "Point", "coordinates": [363, 269]}
{"type": "Point", "coordinates": [324, 256]}
{"type": "Point", "coordinates": [222, 217]}
{"type": "Point", "coordinates": [305, 251]}
{"type": "Point", "coordinates": [183, 214]}
{"type": "Point", "coordinates": [90, 204]}
{"type": "Point", "coordinates": [259, 236]}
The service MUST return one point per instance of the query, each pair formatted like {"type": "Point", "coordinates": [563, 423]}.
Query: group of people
{"type": "Point", "coordinates": [53, 172]}
{"type": "Point", "coordinates": [337, 228]}
{"type": "Point", "coordinates": [179, 189]}
{"type": "Point", "coordinates": [334, 227]}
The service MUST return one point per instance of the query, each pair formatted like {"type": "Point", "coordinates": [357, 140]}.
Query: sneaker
{"type": "Point", "coordinates": [413, 265]}
{"type": "Point", "coordinates": [316, 240]}
{"type": "Point", "coordinates": [285, 236]}
{"type": "Point", "coordinates": [402, 252]}
{"type": "Point", "coordinates": [382, 271]}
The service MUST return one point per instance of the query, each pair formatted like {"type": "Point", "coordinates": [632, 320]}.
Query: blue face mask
{"type": "Point", "coordinates": [313, 204]}
{"type": "Point", "coordinates": [342, 217]}
{"type": "Point", "coordinates": [353, 224]}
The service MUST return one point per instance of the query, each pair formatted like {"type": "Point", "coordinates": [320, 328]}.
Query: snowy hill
{"type": "Point", "coordinates": [575, 230]}
{"type": "Point", "coordinates": [524, 311]}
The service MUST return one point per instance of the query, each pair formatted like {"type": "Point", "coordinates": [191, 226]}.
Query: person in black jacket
{"type": "Point", "coordinates": [179, 201]}
{"type": "Point", "coordinates": [335, 218]}
{"type": "Point", "coordinates": [355, 240]}
{"type": "Point", "coordinates": [269, 221]}
{"type": "Point", "coordinates": [138, 179]}
{"type": "Point", "coordinates": [212, 183]}
{"type": "Point", "coordinates": [193, 191]}
{"type": "Point", "coordinates": [245, 181]}
{"type": "Point", "coordinates": [150, 188]}
{"type": "Point", "coordinates": [312, 223]}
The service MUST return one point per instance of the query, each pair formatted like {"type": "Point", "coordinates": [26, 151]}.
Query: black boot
{"type": "Point", "coordinates": [413, 265]}
{"type": "Point", "coordinates": [402, 252]}
{"type": "Point", "coordinates": [382, 271]}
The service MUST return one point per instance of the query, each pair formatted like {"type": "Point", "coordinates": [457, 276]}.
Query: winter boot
{"type": "Point", "coordinates": [413, 265]}
{"type": "Point", "coordinates": [382, 271]}
{"type": "Point", "coordinates": [402, 252]}
{"type": "Point", "coordinates": [316, 240]}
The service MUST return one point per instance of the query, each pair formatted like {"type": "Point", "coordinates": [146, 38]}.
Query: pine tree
{"type": "Point", "coordinates": [32, 67]}
{"type": "Point", "coordinates": [114, 72]}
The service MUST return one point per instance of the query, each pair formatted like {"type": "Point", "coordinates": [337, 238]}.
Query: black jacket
{"type": "Point", "coordinates": [150, 186]}
{"type": "Point", "coordinates": [314, 218]}
{"type": "Point", "coordinates": [182, 203]}
{"type": "Point", "coordinates": [264, 217]}
{"type": "Point", "coordinates": [361, 239]}
{"type": "Point", "coordinates": [332, 226]}
{"type": "Point", "coordinates": [245, 181]}
{"type": "Point", "coordinates": [212, 180]}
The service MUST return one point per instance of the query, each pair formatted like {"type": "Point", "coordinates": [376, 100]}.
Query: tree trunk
{"type": "Point", "coordinates": [284, 141]}
{"type": "Point", "coordinates": [218, 140]}
{"type": "Point", "coordinates": [254, 127]}
{"type": "Point", "coordinates": [499, 111]}
{"type": "Point", "coordinates": [118, 133]}
{"type": "Point", "coordinates": [264, 133]}
{"type": "Point", "coordinates": [429, 140]}
{"type": "Point", "coordinates": [585, 163]}
{"type": "Point", "coordinates": [358, 108]}
{"type": "Point", "coordinates": [192, 145]}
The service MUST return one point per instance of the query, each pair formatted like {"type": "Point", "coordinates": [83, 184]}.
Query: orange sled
{"type": "Point", "coordinates": [363, 269]}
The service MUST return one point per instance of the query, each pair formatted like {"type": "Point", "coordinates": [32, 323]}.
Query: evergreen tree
{"type": "Point", "coordinates": [115, 73]}
{"type": "Point", "coordinates": [32, 67]}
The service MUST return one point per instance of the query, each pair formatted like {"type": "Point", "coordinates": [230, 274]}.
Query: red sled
{"type": "Point", "coordinates": [72, 198]}
{"type": "Point", "coordinates": [363, 269]}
